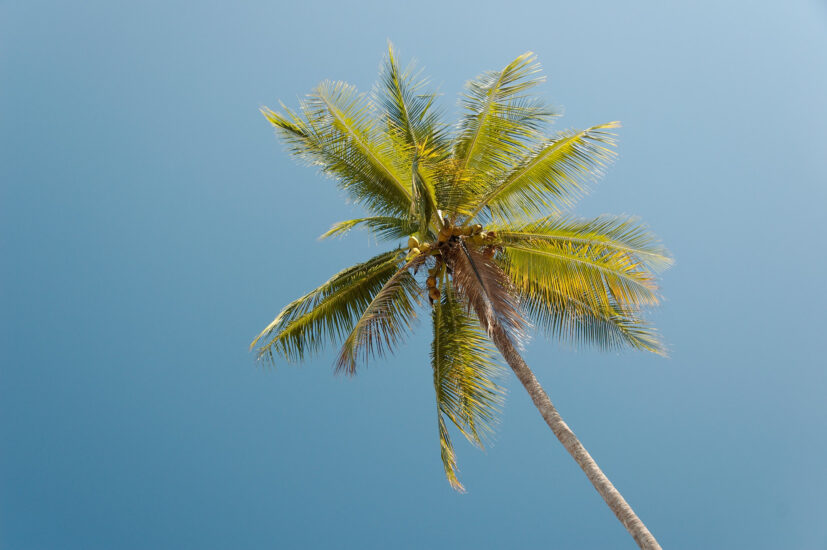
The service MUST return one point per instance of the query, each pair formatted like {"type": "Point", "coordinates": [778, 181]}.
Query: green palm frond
{"type": "Point", "coordinates": [586, 281]}
{"type": "Point", "coordinates": [336, 131]}
{"type": "Point", "coordinates": [409, 109]}
{"type": "Point", "coordinates": [424, 202]}
{"type": "Point", "coordinates": [327, 313]}
{"type": "Point", "coordinates": [552, 176]}
{"type": "Point", "coordinates": [384, 227]}
{"type": "Point", "coordinates": [582, 320]}
{"type": "Point", "coordinates": [414, 125]}
{"type": "Point", "coordinates": [500, 123]}
{"type": "Point", "coordinates": [464, 378]}
{"type": "Point", "coordinates": [592, 271]}
{"type": "Point", "coordinates": [448, 456]}
{"type": "Point", "coordinates": [615, 234]}
{"type": "Point", "coordinates": [385, 321]}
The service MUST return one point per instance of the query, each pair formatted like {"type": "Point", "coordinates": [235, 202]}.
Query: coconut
{"type": "Point", "coordinates": [430, 282]}
{"type": "Point", "coordinates": [415, 251]}
{"type": "Point", "coordinates": [433, 293]}
{"type": "Point", "coordinates": [413, 242]}
{"type": "Point", "coordinates": [425, 247]}
{"type": "Point", "coordinates": [476, 228]}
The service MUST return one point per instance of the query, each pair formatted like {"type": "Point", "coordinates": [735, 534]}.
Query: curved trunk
{"type": "Point", "coordinates": [611, 495]}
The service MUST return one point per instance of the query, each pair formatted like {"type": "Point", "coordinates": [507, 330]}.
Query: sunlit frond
{"type": "Point", "coordinates": [409, 108]}
{"type": "Point", "coordinates": [594, 270]}
{"type": "Point", "coordinates": [384, 227]}
{"type": "Point", "coordinates": [586, 281]}
{"type": "Point", "coordinates": [607, 233]}
{"type": "Point", "coordinates": [551, 177]}
{"type": "Point", "coordinates": [448, 456]}
{"type": "Point", "coordinates": [337, 132]}
{"type": "Point", "coordinates": [582, 320]}
{"type": "Point", "coordinates": [413, 124]}
{"type": "Point", "coordinates": [385, 321]}
{"type": "Point", "coordinates": [500, 123]}
{"type": "Point", "coordinates": [465, 374]}
{"type": "Point", "coordinates": [328, 313]}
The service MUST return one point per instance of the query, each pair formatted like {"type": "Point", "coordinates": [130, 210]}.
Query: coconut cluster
{"type": "Point", "coordinates": [430, 282]}
{"type": "Point", "coordinates": [472, 234]}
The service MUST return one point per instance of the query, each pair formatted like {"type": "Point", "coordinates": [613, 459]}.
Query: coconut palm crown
{"type": "Point", "coordinates": [477, 217]}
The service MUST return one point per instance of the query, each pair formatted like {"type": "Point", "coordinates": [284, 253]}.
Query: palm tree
{"type": "Point", "coordinates": [483, 208]}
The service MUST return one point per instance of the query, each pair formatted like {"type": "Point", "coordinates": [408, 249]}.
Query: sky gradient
{"type": "Point", "coordinates": [151, 225]}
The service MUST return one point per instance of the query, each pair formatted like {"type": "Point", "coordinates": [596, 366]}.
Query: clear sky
{"type": "Point", "coordinates": [151, 225]}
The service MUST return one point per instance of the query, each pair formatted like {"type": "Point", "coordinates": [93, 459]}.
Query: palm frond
{"type": "Point", "coordinates": [424, 205]}
{"type": "Point", "coordinates": [487, 290]}
{"type": "Point", "coordinates": [586, 281]}
{"type": "Point", "coordinates": [601, 274]}
{"type": "Point", "coordinates": [552, 176]}
{"type": "Point", "coordinates": [465, 374]}
{"type": "Point", "coordinates": [408, 107]}
{"type": "Point", "coordinates": [582, 320]}
{"type": "Point", "coordinates": [327, 313]}
{"type": "Point", "coordinates": [499, 124]}
{"type": "Point", "coordinates": [606, 233]}
{"type": "Point", "coordinates": [385, 321]}
{"type": "Point", "coordinates": [384, 227]}
{"type": "Point", "coordinates": [336, 131]}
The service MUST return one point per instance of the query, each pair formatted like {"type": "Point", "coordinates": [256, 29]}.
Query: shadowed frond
{"type": "Point", "coordinates": [500, 122]}
{"type": "Point", "coordinates": [384, 321]}
{"type": "Point", "coordinates": [552, 176]}
{"type": "Point", "coordinates": [487, 290]}
{"type": "Point", "coordinates": [610, 234]}
{"type": "Point", "coordinates": [464, 377]}
{"type": "Point", "coordinates": [384, 227]}
{"type": "Point", "coordinates": [327, 313]}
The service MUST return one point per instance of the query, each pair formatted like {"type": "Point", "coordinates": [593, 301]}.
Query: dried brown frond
{"type": "Point", "coordinates": [486, 289]}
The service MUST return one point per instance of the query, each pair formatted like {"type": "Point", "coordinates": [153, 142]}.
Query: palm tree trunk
{"type": "Point", "coordinates": [611, 495]}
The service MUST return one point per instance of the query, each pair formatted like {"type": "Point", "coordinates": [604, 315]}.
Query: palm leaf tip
{"type": "Point", "coordinates": [448, 457]}
{"type": "Point", "coordinates": [383, 227]}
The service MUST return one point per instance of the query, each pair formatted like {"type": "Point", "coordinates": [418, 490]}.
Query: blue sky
{"type": "Point", "coordinates": [151, 225]}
